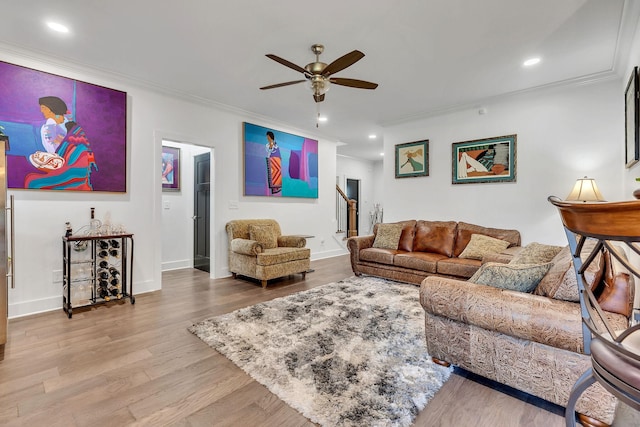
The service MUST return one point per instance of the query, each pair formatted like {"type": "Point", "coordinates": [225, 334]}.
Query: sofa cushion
{"type": "Point", "coordinates": [423, 261]}
{"type": "Point", "coordinates": [264, 234]}
{"type": "Point", "coordinates": [465, 230]}
{"type": "Point", "coordinates": [459, 267]}
{"type": "Point", "coordinates": [616, 294]}
{"type": "Point", "coordinates": [515, 277]}
{"type": "Point", "coordinates": [560, 282]}
{"type": "Point", "coordinates": [481, 245]}
{"type": "Point", "coordinates": [435, 236]}
{"type": "Point", "coordinates": [536, 253]}
{"type": "Point", "coordinates": [281, 255]}
{"type": "Point", "coordinates": [503, 257]}
{"type": "Point", "coordinates": [408, 233]}
{"type": "Point", "coordinates": [382, 256]}
{"type": "Point", "coordinates": [388, 236]}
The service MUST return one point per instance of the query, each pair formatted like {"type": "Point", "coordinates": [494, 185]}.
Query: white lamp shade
{"type": "Point", "coordinates": [585, 190]}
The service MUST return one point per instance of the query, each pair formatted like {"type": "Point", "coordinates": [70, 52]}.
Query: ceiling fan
{"type": "Point", "coordinates": [318, 74]}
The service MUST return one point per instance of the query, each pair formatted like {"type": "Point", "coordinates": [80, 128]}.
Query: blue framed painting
{"type": "Point", "coordinates": [484, 160]}
{"type": "Point", "coordinates": [64, 134]}
{"type": "Point", "coordinates": [279, 164]}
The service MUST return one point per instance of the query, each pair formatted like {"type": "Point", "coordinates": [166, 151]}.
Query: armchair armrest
{"type": "Point", "coordinates": [245, 246]}
{"type": "Point", "coordinates": [292, 241]}
{"type": "Point", "coordinates": [521, 315]}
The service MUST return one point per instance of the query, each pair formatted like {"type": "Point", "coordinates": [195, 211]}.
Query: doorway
{"type": "Point", "coordinates": [353, 193]}
{"type": "Point", "coordinates": [201, 213]}
{"type": "Point", "coordinates": [179, 209]}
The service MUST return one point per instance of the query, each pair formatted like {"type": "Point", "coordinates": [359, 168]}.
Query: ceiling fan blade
{"type": "Point", "coordinates": [360, 84]}
{"type": "Point", "coordinates": [282, 84]}
{"type": "Point", "coordinates": [287, 63]}
{"type": "Point", "coordinates": [319, 98]}
{"type": "Point", "coordinates": [343, 62]}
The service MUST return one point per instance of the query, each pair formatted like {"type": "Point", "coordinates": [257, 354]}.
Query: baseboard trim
{"type": "Point", "coordinates": [43, 305]}
{"type": "Point", "coordinates": [176, 265]}
{"type": "Point", "coordinates": [328, 254]}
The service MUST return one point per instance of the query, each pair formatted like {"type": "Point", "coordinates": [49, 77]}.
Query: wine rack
{"type": "Point", "coordinates": [96, 270]}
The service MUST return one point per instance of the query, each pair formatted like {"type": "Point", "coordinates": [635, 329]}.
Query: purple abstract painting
{"type": "Point", "coordinates": [64, 134]}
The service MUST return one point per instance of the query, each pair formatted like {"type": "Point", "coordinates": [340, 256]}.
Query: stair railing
{"type": "Point", "coordinates": [345, 210]}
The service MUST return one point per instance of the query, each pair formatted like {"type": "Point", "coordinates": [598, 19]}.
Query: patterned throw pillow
{"type": "Point", "coordinates": [388, 236]}
{"type": "Point", "coordinates": [265, 235]}
{"type": "Point", "coordinates": [480, 245]}
{"type": "Point", "coordinates": [536, 253]}
{"type": "Point", "coordinates": [560, 283]}
{"type": "Point", "coordinates": [515, 277]}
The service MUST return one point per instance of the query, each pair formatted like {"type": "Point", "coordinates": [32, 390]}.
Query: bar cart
{"type": "Point", "coordinates": [96, 269]}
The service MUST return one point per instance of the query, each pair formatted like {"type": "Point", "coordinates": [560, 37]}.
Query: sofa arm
{"type": "Point", "coordinates": [245, 246]}
{"type": "Point", "coordinates": [521, 315]}
{"type": "Point", "coordinates": [291, 242]}
{"type": "Point", "coordinates": [356, 244]}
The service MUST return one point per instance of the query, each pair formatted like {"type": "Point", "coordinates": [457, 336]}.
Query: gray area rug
{"type": "Point", "coordinates": [350, 353]}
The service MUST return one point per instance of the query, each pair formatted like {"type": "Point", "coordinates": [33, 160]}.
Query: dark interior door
{"type": "Point", "coordinates": [353, 190]}
{"type": "Point", "coordinates": [201, 182]}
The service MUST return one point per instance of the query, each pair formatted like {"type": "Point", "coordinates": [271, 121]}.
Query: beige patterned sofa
{"type": "Point", "coordinates": [257, 249]}
{"type": "Point", "coordinates": [529, 341]}
{"type": "Point", "coordinates": [425, 248]}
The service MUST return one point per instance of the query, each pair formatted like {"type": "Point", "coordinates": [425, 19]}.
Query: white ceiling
{"type": "Point", "coordinates": [427, 56]}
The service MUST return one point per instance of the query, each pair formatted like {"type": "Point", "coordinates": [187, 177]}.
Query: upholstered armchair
{"type": "Point", "coordinates": [257, 249]}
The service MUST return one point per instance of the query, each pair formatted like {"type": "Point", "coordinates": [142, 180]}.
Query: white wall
{"type": "Point", "coordinates": [177, 212]}
{"type": "Point", "coordinates": [562, 134]}
{"type": "Point", "coordinates": [152, 116]}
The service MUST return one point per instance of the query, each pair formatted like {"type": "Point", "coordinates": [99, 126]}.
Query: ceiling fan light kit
{"type": "Point", "coordinates": [318, 74]}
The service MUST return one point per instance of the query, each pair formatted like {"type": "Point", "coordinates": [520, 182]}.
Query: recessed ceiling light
{"type": "Point", "coordinates": [58, 27]}
{"type": "Point", "coordinates": [322, 119]}
{"type": "Point", "coordinates": [372, 136]}
{"type": "Point", "coordinates": [531, 61]}
{"type": "Point", "coordinates": [382, 154]}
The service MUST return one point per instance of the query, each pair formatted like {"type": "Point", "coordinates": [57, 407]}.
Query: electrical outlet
{"type": "Point", "coordinates": [57, 276]}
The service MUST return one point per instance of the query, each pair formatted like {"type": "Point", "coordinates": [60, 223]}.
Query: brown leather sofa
{"type": "Point", "coordinates": [425, 248]}
{"type": "Point", "coordinates": [529, 341]}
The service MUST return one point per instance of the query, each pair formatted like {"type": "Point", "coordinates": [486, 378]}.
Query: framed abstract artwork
{"type": "Point", "coordinates": [412, 159]}
{"type": "Point", "coordinates": [279, 164]}
{"type": "Point", "coordinates": [65, 134]}
{"type": "Point", "coordinates": [484, 160]}
{"type": "Point", "coordinates": [170, 168]}
{"type": "Point", "coordinates": [632, 120]}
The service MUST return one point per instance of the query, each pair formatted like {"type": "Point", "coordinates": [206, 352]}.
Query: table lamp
{"type": "Point", "coordinates": [585, 190]}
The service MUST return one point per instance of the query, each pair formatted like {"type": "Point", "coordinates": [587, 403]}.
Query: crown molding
{"type": "Point", "coordinates": [595, 78]}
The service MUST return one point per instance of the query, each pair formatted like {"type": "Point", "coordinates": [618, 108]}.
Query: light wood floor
{"type": "Point", "coordinates": [123, 364]}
